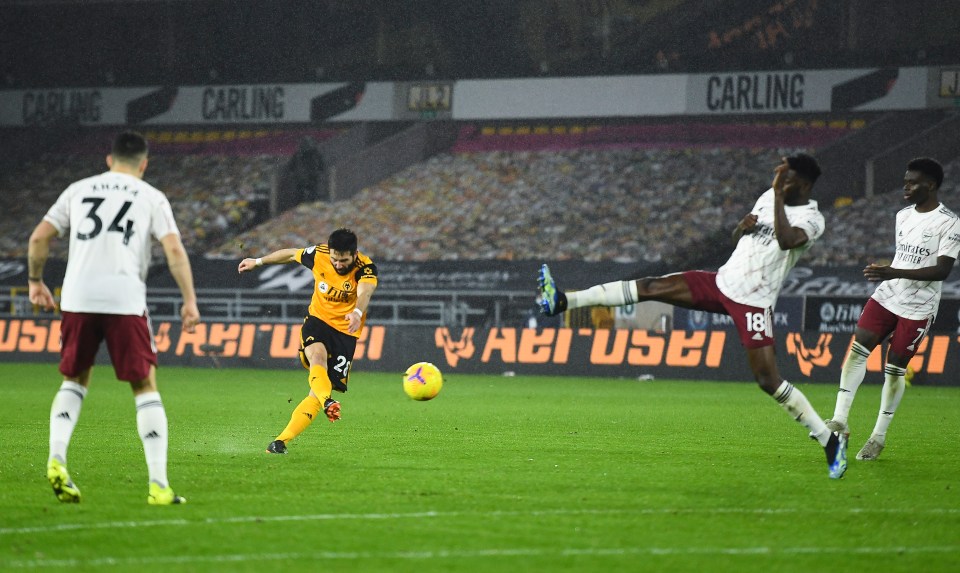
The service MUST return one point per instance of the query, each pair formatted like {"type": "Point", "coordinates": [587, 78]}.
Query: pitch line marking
{"type": "Point", "coordinates": [59, 528]}
{"type": "Point", "coordinates": [478, 553]}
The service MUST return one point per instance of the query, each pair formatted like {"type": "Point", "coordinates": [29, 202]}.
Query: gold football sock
{"type": "Point", "coordinates": [310, 406]}
{"type": "Point", "coordinates": [320, 382]}
{"type": "Point", "coordinates": [302, 416]}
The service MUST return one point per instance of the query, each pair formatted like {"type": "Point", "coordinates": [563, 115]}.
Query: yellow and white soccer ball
{"type": "Point", "coordinates": [422, 381]}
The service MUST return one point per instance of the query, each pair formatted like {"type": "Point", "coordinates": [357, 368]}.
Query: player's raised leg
{"type": "Point", "coordinates": [671, 289]}
{"type": "Point", "coordinates": [551, 300]}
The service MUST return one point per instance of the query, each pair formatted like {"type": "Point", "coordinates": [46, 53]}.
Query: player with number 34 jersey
{"type": "Point", "coordinates": [111, 218]}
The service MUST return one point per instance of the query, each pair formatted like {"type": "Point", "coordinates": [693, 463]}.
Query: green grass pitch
{"type": "Point", "coordinates": [495, 474]}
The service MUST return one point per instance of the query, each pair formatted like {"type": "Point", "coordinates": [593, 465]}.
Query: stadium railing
{"type": "Point", "coordinates": [394, 307]}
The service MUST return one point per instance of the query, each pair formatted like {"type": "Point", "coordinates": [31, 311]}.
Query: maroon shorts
{"type": "Point", "coordinates": [129, 341]}
{"type": "Point", "coordinates": [907, 333]}
{"type": "Point", "coordinates": [754, 324]}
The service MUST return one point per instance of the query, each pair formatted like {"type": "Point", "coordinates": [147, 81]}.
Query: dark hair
{"type": "Point", "coordinates": [805, 166]}
{"type": "Point", "coordinates": [129, 146]}
{"type": "Point", "coordinates": [929, 167]}
{"type": "Point", "coordinates": [343, 240]}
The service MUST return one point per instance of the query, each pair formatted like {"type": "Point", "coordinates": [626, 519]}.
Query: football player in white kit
{"type": "Point", "coordinates": [905, 302]}
{"type": "Point", "coordinates": [784, 224]}
{"type": "Point", "coordinates": [110, 219]}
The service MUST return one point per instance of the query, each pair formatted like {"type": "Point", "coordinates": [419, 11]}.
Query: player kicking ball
{"type": "Point", "coordinates": [345, 280]}
{"type": "Point", "coordinates": [784, 224]}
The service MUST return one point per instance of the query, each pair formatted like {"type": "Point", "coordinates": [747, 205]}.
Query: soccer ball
{"type": "Point", "coordinates": [422, 381]}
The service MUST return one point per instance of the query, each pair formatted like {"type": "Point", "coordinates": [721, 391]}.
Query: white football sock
{"type": "Point", "coordinates": [894, 386]}
{"type": "Point", "coordinates": [152, 426]}
{"type": "Point", "coordinates": [796, 404]}
{"type": "Point", "coordinates": [64, 414]}
{"type": "Point", "coordinates": [617, 293]}
{"type": "Point", "coordinates": [851, 376]}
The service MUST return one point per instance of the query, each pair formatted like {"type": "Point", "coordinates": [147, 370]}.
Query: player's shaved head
{"type": "Point", "coordinates": [129, 147]}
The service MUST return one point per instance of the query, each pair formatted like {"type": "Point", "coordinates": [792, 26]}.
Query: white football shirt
{"type": "Point", "coordinates": [921, 238]}
{"type": "Point", "coordinates": [754, 273]}
{"type": "Point", "coordinates": [110, 218]}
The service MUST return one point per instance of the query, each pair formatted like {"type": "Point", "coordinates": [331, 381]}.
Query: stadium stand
{"type": "Point", "coordinates": [213, 196]}
{"type": "Point", "coordinates": [577, 191]}
{"type": "Point", "coordinates": [218, 181]}
{"type": "Point", "coordinates": [626, 193]}
{"type": "Point", "coordinates": [862, 231]}
{"type": "Point", "coordinates": [594, 193]}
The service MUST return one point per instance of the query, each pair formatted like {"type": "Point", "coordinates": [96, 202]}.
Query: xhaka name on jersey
{"type": "Point", "coordinates": [114, 187]}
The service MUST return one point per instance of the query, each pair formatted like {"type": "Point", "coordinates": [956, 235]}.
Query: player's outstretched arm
{"type": "Point", "coordinates": [780, 176]}
{"type": "Point", "coordinates": [281, 257]}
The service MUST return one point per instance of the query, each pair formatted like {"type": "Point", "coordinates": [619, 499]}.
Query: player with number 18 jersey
{"type": "Point", "coordinates": [755, 271]}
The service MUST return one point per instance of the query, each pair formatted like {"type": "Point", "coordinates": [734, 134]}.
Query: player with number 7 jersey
{"type": "Point", "coordinates": [905, 303]}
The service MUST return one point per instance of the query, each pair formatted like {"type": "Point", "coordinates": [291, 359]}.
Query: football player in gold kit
{"type": "Point", "coordinates": [345, 280]}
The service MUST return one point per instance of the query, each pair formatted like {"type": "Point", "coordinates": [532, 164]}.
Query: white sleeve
{"type": "Point", "coordinates": [59, 213]}
{"type": "Point", "coordinates": [765, 197]}
{"type": "Point", "coordinates": [950, 245]}
{"type": "Point", "coordinates": [162, 222]}
{"type": "Point", "coordinates": [813, 225]}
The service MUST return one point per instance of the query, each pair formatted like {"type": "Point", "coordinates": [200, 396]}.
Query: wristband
{"type": "Point", "coordinates": [358, 311]}
{"type": "Point", "coordinates": [35, 279]}
{"type": "Point", "coordinates": [258, 262]}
